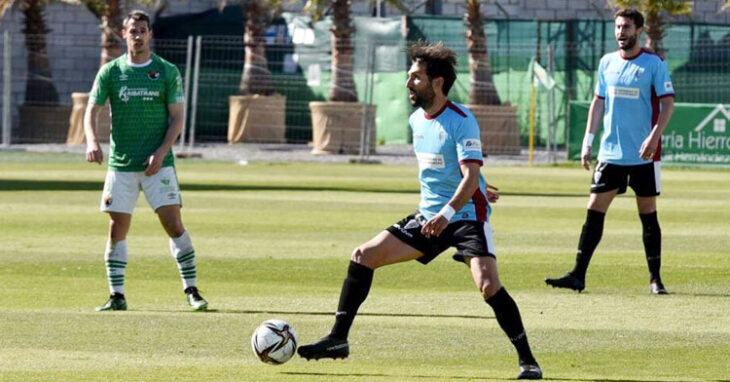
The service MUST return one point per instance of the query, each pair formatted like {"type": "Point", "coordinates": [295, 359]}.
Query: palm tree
{"type": "Point", "coordinates": [656, 22]}
{"type": "Point", "coordinates": [109, 13]}
{"type": "Point", "coordinates": [39, 87]}
{"type": "Point", "coordinates": [342, 82]}
{"type": "Point", "coordinates": [256, 77]}
{"type": "Point", "coordinates": [482, 91]}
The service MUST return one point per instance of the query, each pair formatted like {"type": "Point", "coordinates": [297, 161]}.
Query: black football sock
{"type": "Point", "coordinates": [354, 291]}
{"type": "Point", "coordinates": [590, 236]}
{"type": "Point", "coordinates": [508, 317]}
{"type": "Point", "coordinates": [652, 236]}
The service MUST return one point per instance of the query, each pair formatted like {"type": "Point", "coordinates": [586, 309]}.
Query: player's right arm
{"type": "Point", "coordinates": [97, 97]}
{"type": "Point", "coordinates": [94, 152]}
{"type": "Point", "coordinates": [595, 114]}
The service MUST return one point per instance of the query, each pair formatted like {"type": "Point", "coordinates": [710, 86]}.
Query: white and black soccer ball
{"type": "Point", "coordinates": [274, 341]}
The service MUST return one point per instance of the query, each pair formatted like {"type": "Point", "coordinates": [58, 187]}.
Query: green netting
{"type": "Point", "coordinates": [697, 55]}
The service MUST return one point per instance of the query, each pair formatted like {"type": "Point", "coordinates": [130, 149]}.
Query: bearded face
{"type": "Point", "coordinates": [626, 33]}
{"type": "Point", "coordinates": [420, 87]}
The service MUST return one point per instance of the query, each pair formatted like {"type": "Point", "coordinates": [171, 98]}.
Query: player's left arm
{"type": "Point", "coordinates": [176, 113]}
{"type": "Point", "coordinates": [468, 185]}
{"type": "Point", "coordinates": [664, 89]}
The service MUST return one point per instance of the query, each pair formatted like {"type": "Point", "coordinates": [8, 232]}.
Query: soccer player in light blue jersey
{"type": "Point", "coordinates": [635, 100]}
{"type": "Point", "coordinates": [453, 212]}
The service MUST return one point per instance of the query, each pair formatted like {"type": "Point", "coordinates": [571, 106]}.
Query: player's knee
{"type": "Point", "coordinates": [117, 231]}
{"type": "Point", "coordinates": [489, 288]}
{"type": "Point", "coordinates": [365, 256]}
{"type": "Point", "coordinates": [174, 228]}
{"type": "Point", "coordinates": [358, 255]}
{"type": "Point", "coordinates": [177, 231]}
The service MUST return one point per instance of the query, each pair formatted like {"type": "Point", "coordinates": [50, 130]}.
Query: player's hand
{"type": "Point", "coordinates": [434, 226]}
{"type": "Point", "coordinates": [585, 157]}
{"type": "Point", "coordinates": [94, 153]}
{"type": "Point", "coordinates": [492, 196]}
{"type": "Point", "coordinates": [649, 146]}
{"type": "Point", "coordinates": [154, 163]}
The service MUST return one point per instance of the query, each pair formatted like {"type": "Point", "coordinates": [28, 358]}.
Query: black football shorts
{"type": "Point", "coordinates": [470, 238]}
{"type": "Point", "coordinates": [644, 179]}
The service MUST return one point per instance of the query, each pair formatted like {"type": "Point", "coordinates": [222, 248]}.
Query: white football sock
{"type": "Point", "coordinates": [183, 252]}
{"type": "Point", "coordinates": [115, 259]}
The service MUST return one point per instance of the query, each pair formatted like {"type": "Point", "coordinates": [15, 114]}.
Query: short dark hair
{"type": "Point", "coordinates": [137, 15]}
{"type": "Point", "coordinates": [439, 60]}
{"type": "Point", "coordinates": [632, 14]}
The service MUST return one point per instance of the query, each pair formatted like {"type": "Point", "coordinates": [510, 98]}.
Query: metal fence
{"type": "Point", "coordinates": [212, 67]}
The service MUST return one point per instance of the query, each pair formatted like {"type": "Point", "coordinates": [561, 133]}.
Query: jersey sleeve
{"type": "Point", "coordinates": [468, 141]}
{"type": "Point", "coordinates": [601, 83]}
{"type": "Point", "coordinates": [661, 80]}
{"type": "Point", "coordinates": [100, 90]}
{"type": "Point", "coordinates": [174, 87]}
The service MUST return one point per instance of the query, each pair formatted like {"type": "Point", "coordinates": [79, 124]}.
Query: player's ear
{"type": "Point", "coordinates": [438, 83]}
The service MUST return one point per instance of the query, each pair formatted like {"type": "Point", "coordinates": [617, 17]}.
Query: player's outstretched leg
{"type": "Point", "coordinates": [509, 319]}
{"type": "Point", "coordinates": [355, 290]}
{"type": "Point", "coordinates": [589, 238]}
{"type": "Point", "coordinates": [485, 275]}
{"type": "Point", "coordinates": [115, 261]}
{"type": "Point", "coordinates": [652, 236]}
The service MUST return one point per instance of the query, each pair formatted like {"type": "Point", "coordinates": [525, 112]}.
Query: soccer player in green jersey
{"type": "Point", "coordinates": [146, 101]}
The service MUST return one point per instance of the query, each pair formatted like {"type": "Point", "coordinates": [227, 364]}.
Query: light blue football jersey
{"type": "Point", "coordinates": [631, 88]}
{"type": "Point", "coordinates": [442, 142]}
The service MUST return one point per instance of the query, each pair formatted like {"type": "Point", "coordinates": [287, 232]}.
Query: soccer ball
{"type": "Point", "coordinates": [274, 341]}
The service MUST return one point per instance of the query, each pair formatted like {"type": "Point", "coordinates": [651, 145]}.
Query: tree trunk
{"type": "Point", "coordinates": [111, 31]}
{"type": "Point", "coordinates": [39, 88]}
{"type": "Point", "coordinates": [482, 91]}
{"type": "Point", "coordinates": [655, 32]}
{"type": "Point", "coordinates": [342, 82]}
{"type": "Point", "coordinates": [256, 77]}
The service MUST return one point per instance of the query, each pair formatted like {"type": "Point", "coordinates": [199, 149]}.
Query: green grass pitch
{"type": "Point", "coordinates": [274, 240]}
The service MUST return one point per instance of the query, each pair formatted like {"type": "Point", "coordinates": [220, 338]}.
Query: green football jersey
{"type": "Point", "coordinates": [139, 96]}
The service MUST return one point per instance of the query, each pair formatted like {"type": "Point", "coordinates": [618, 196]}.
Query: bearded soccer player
{"type": "Point", "coordinates": [635, 99]}
{"type": "Point", "coordinates": [146, 100]}
{"type": "Point", "coordinates": [453, 212]}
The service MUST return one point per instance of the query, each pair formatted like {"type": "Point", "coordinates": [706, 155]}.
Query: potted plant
{"type": "Point", "coordinates": [497, 121]}
{"type": "Point", "coordinates": [257, 113]}
{"type": "Point", "coordinates": [337, 123]}
{"type": "Point", "coordinates": [41, 110]}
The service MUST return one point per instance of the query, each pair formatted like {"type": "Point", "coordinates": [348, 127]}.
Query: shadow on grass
{"type": "Point", "coordinates": [717, 295]}
{"type": "Point", "coordinates": [236, 311]}
{"type": "Point", "coordinates": [67, 185]}
{"type": "Point", "coordinates": [622, 380]}
{"type": "Point", "coordinates": [395, 377]}
{"type": "Point", "coordinates": [81, 185]}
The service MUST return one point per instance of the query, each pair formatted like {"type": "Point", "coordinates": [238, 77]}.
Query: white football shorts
{"type": "Point", "coordinates": [121, 189]}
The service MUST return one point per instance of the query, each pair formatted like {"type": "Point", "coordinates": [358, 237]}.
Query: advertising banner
{"type": "Point", "coordinates": [697, 134]}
